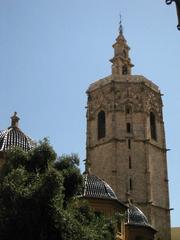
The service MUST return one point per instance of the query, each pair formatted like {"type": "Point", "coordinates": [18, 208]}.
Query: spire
{"type": "Point", "coordinates": [120, 26]}
{"type": "Point", "coordinates": [14, 120]}
{"type": "Point", "coordinates": [121, 62]}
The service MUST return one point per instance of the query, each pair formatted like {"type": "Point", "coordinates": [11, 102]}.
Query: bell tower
{"type": "Point", "coordinates": [121, 63]}
{"type": "Point", "coordinates": [126, 140]}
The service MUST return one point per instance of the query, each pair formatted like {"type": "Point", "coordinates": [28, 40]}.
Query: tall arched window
{"type": "Point", "coordinates": [101, 124]}
{"type": "Point", "coordinates": [153, 126]}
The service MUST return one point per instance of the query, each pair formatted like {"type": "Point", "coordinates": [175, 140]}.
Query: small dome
{"type": "Point", "coordinates": [14, 137]}
{"type": "Point", "coordinates": [135, 216]}
{"type": "Point", "coordinates": [95, 187]}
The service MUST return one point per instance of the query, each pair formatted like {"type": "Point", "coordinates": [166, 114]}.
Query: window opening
{"type": "Point", "coordinates": [130, 162]}
{"type": "Point", "coordinates": [129, 143]}
{"type": "Point", "coordinates": [124, 54]}
{"type": "Point", "coordinates": [101, 125]}
{"type": "Point", "coordinates": [153, 126]}
{"type": "Point", "coordinates": [128, 109]}
{"type": "Point", "coordinates": [124, 70]}
{"type": "Point", "coordinates": [130, 184]}
{"type": "Point", "coordinates": [140, 238]}
{"type": "Point", "coordinates": [128, 127]}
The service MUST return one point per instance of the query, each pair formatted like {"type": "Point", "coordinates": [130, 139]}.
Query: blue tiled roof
{"type": "Point", "coordinates": [135, 216]}
{"type": "Point", "coordinates": [95, 187]}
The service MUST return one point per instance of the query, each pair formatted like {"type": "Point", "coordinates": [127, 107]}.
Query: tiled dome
{"type": "Point", "coordinates": [14, 137]}
{"type": "Point", "coordinates": [135, 216]}
{"type": "Point", "coordinates": [95, 187]}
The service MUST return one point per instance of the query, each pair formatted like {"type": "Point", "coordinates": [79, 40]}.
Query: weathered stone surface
{"type": "Point", "coordinates": [133, 163]}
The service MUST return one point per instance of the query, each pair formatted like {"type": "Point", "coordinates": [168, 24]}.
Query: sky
{"type": "Point", "coordinates": [51, 50]}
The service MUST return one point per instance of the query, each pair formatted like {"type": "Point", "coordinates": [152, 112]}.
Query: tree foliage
{"type": "Point", "coordinates": [38, 198]}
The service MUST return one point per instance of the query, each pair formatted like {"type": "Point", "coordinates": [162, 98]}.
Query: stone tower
{"type": "Point", "coordinates": [126, 140]}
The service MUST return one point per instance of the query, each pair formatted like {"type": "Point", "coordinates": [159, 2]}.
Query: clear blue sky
{"type": "Point", "coordinates": [51, 50]}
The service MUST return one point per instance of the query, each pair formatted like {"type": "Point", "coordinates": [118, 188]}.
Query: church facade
{"type": "Point", "coordinates": [126, 144]}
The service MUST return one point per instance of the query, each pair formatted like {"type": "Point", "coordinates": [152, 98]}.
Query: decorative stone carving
{"type": "Point", "coordinates": [152, 101]}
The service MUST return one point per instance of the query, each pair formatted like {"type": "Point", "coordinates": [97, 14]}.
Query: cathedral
{"type": "Point", "coordinates": [126, 165]}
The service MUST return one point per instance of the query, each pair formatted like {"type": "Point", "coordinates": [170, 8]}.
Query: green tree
{"type": "Point", "coordinates": [38, 198]}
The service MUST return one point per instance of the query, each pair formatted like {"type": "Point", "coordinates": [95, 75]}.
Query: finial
{"type": "Point", "coordinates": [120, 26]}
{"type": "Point", "coordinates": [14, 120]}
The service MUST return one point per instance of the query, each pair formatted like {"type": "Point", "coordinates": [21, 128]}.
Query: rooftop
{"type": "Point", "coordinates": [123, 78]}
{"type": "Point", "coordinates": [95, 187]}
{"type": "Point", "coordinates": [14, 137]}
{"type": "Point", "coordinates": [134, 216]}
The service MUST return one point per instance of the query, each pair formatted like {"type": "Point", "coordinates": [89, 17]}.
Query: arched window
{"type": "Point", "coordinates": [101, 125]}
{"type": "Point", "coordinates": [124, 70]}
{"type": "Point", "coordinates": [153, 126]}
